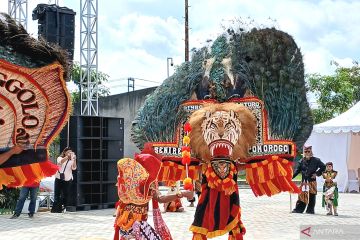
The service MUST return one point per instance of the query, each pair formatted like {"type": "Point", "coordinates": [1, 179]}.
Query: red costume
{"type": "Point", "coordinates": [137, 183]}
{"type": "Point", "coordinates": [218, 211]}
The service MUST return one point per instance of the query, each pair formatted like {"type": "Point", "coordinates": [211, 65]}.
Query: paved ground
{"type": "Point", "coordinates": [264, 218]}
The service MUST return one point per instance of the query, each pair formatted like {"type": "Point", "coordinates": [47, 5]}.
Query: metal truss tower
{"type": "Point", "coordinates": [89, 57]}
{"type": "Point", "coordinates": [18, 10]}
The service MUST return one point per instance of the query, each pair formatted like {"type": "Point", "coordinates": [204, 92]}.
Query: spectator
{"type": "Point", "coordinates": [25, 190]}
{"type": "Point", "coordinates": [63, 179]}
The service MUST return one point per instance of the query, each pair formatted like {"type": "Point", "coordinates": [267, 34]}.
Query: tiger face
{"type": "Point", "coordinates": [221, 131]}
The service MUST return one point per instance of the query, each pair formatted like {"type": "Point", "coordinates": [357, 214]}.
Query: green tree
{"type": "Point", "coordinates": [8, 199]}
{"type": "Point", "coordinates": [54, 149]}
{"type": "Point", "coordinates": [335, 93]}
{"type": "Point", "coordinates": [101, 78]}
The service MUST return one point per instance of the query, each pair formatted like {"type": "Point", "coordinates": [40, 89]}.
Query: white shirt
{"type": "Point", "coordinates": [68, 170]}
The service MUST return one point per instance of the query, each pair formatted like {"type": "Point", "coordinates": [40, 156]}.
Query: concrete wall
{"type": "Point", "coordinates": [125, 106]}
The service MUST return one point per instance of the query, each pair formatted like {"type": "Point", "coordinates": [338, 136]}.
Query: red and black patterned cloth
{"type": "Point", "coordinates": [217, 213]}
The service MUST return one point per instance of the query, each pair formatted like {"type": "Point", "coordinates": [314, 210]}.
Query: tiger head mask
{"type": "Point", "coordinates": [222, 131]}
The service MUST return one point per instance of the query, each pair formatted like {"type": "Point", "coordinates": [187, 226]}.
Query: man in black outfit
{"type": "Point", "coordinates": [310, 167]}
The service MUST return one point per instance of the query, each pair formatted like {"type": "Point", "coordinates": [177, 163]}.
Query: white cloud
{"type": "Point", "coordinates": [318, 61]}
{"type": "Point", "coordinates": [71, 86]}
{"type": "Point", "coordinates": [140, 47]}
{"type": "Point", "coordinates": [344, 62]}
{"type": "Point", "coordinates": [324, 30]}
{"type": "Point", "coordinates": [136, 37]}
{"type": "Point", "coordinates": [136, 30]}
{"type": "Point", "coordinates": [135, 63]}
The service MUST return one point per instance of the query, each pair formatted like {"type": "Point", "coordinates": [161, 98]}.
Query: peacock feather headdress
{"type": "Point", "coordinates": [265, 63]}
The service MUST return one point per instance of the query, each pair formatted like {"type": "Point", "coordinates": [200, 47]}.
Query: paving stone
{"type": "Point", "coordinates": [264, 218]}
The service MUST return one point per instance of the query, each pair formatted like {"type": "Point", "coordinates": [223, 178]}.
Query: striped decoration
{"type": "Point", "coordinates": [26, 174]}
{"type": "Point", "coordinates": [271, 176]}
{"type": "Point", "coordinates": [171, 172]}
{"type": "Point", "coordinates": [227, 185]}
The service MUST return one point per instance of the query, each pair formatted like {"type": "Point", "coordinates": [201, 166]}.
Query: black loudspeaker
{"type": "Point", "coordinates": [56, 25]}
{"type": "Point", "coordinates": [98, 143]}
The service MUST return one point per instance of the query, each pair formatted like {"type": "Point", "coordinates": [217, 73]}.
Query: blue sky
{"type": "Point", "coordinates": [137, 36]}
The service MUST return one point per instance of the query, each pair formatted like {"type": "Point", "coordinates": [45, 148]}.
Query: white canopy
{"type": "Point", "coordinates": [338, 141]}
{"type": "Point", "coordinates": [348, 121]}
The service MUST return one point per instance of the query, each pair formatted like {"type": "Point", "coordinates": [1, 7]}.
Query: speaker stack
{"type": "Point", "coordinates": [98, 143]}
{"type": "Point", "coordinates": [56, 25]}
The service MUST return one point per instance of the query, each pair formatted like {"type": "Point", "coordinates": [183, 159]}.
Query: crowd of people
{"type": "Point", "coordinates": [63, 179]}
{"type": "Point", "coordinates": [309, 167]}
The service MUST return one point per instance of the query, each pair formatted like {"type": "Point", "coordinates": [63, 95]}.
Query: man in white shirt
{"type": "Point", "coordinates": [63, 178]}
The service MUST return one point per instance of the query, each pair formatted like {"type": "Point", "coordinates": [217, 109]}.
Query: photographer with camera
{"type": "Point", "coordinates": [63, 178]}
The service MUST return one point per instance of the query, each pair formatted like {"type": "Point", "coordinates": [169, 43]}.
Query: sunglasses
{"type": "Point", "coordinates": [307, 151]}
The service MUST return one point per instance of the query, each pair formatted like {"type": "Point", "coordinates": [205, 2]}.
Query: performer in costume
{"type": "Point", "coordinates": [221, 135]}
{"type": "Point", "coordinates": [6, 155]}
{"type": "Point", "coordinates": [331, 194]}
{"type": "Point", "coordinates": [176, 205]}
{"type": "Point", "coordinates": [137, 185]}
{"type": "Point", "coordinates": [34, 104]}
{"type": "Point", "coordinates": [309, 167]}
{"type": "Point", "coordinates": [216, 75]}
{"type": "Point", "coordinates": [197, 187]}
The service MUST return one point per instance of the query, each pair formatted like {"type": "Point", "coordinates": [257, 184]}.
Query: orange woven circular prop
{"type": "Point", "coordinates": [34, 104]}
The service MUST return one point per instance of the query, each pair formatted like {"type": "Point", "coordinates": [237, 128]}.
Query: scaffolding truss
{"type": "Point", "coordinates": [18, 10]}
{"type": "Point", "coordinates": [89, 57]}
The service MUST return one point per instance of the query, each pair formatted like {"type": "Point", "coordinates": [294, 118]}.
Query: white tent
{"type": "Point", "coordinates": [338, 141]}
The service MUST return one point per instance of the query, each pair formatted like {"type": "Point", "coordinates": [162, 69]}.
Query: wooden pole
{"type": "Point", "coordinates": [186, 31]}
{"type": "Point", "coordinates": [68, 133]}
